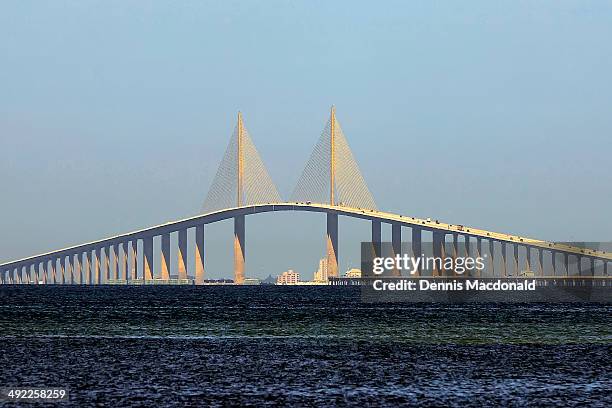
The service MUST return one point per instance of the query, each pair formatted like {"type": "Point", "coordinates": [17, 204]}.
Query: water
{"type": "Point", "coordinates": [227, 345]}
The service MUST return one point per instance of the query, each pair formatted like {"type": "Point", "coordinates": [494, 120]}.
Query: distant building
{"type": "Point", "coordinates": [321, 274]}
{"type": "Point", "coordinates": [251, 281]}
{"type": "Point", "coordinates": [353, 273]}
{"type": "Point", "coordinates": [289, 277]}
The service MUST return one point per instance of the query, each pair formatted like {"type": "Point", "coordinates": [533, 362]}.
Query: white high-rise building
{"type": "Point", "coordinates": [321, 274]}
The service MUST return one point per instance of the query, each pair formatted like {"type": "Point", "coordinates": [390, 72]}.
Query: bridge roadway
{"type": "Point", "coordinates": [372, 215]}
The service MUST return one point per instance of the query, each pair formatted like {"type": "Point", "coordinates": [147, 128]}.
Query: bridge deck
{"type": "Point", "coordinates": [368, 214]}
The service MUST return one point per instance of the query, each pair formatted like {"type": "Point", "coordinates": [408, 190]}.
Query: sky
{"type": "Point", "coordinates": [114, 116]}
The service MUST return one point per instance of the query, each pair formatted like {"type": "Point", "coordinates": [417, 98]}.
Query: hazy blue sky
{"type": "Point", "coordinates": [115, 114]}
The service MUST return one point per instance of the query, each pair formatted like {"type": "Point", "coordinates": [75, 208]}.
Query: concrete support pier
{"type": "Point", "coordinates": [478, 253]}
{"type": "Point", "coordinates": [53, 271]}
{"type": "Point", "coordinates": [88, 280]}
{"type": "Point", "coordinates": [396, 243]}
{"type": "Point", "coordinates": [182, 254]}
{"type": "Point", "coordinates": [62, 266]}
{"type": "Point", "coordinates": [78, 268]}
{"type": "Point", "coordinates": [417, 246]}
{"type": "Point", "coordinates": [438, 252]}
{"type": "Point", "coordinates": [107, 263]}
{"type": "Point", "coordinates": [115, 248]}
{"type": "Point", "coordinates": [125, 266]}
{"type": "Point", "coordinates": [165, 256]}
{"type": "Point", "coordinates": [199, 255]}
{"type": "Point", "coordinates": [134, 259]}
{"type": "Point", "coordinates": [96, 264]}
{"type": "Point", "coordinates": [239, 249]}
{"type": "Point", "coordinates": [527, 258]}
{"type": "Point", "coordinates": [332, 245]}
{"type": "Point", "coordinates": [492, 256]}
{"type": "Point", "coordinates": [516, 260]}
{"type": "Point", "coordinates": [376, 238]}
{"type": "Point", "coordinates": [504, 261]}
{"type": "Point", "coordinates": [147, 259]}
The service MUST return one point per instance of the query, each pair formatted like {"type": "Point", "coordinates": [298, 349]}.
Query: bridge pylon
{"type": "Point", "coordinates": [241, 179]}
{"type": "Point", "coordinates": [332, 176]}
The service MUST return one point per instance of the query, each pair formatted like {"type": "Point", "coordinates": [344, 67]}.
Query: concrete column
{"type": "Point", "coordinates": [606, 268]}
{"type": "Point", "coordinates": [50, 269]}
{"type": "Point", "coordinates": [45, 265]}
{"type": "Point", "coordinates": [579, 265]}
{"type": "Point", "coordinates": [541, 261]}
{"type": "Point", "coordinates": [134, 259]}
{"type": "Point", "coordinates": [504, 261]}
{"type": "Point", "coordinates": [78, 268]}
{"type": "Point", "coordinates": [438, 249]}
{"type": "Point", "coordinates": [455, 250]}
{"type": "Point", "coordinates": [376, 238]}
{"type": "Point", "coordinates": [566, 262]}
{"type": "Point", "coordinates": [199, 255]}
{"type": "Point", "coordinates": [396, 243]}
{"type": "Point", "coordinates": [107, 266]}
{"type": "Point", "coordinates": [62, 265]}
{"type": "Point", "coordinates": [553, 258]}
{"type": "Point", "coordinates": [528, 257]}
{"type": "Point", "coordinates": [126, 257]}
{"type": "Point", "coordinates": [147, 248]}
{"type": "Point", "coordinates": [479, 252]}
{"type": "Point", "coordinates": [70, 269]}
{"type": "Point", "coordinates": [165, 256]}
{"type": "Point", "coordinates": [516, 260]}
{"type": "Point", "coordinates": [97, 273]}
{"type": "Point", "coordinates": [182, 254]}
{"type": "Point", "coordinates": [467, 245]}
{"type": "Point", "coordinates": [492, 256]}
{"type": "Point", "coordinates": [38, 272]}
{"type": "Point", "coordinates": [239, 249]}
{"type": "Point", "coordinates": [592, 266]}
{"type": "Point", "coordinates": [417, 246]}
{"type": "Point", "coordinates": [116, 261]}
{"type": "Point", "coordinates": [88, 270]}
{"type": "Point", "coordinates": [332, 245]}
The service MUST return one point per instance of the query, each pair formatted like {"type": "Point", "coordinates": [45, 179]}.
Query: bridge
{"type": "Point", "coordinates": [331, 183]}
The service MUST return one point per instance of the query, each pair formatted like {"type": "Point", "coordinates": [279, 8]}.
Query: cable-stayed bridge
{"type": "Point", "coordinates": [331, 183]}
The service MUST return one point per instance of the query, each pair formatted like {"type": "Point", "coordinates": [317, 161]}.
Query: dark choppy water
{"type": "Point", "coordinates": [156, 346]}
